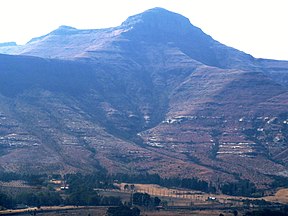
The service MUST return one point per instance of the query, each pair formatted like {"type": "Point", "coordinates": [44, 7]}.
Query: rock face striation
{"type": "Point", "coordinates": [155, 94]}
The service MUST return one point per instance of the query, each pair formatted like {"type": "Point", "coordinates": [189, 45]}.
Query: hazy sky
{"type": "Point", "coordinates": [258, 27]}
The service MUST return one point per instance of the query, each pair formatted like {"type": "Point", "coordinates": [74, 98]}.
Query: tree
{"type": "Point", "coordinates": [132, 187]}
{"type": "Point", "coordinates": [144, 199]}
{"type": "Point", "coordinates": [157, 201]}
{"type": "Point", "coordinates": [141, 199]}
{"type": "Point", "coordinates": [6, 201]}
{"type": "Point", "coordinates": [111, 201]}
{"type": "Point", "coordinates": [240, 188]}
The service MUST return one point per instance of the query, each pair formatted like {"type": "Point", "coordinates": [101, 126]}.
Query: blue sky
{"type": "Point", "coordinates": [257, 27]}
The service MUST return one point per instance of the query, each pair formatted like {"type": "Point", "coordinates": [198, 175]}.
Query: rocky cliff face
{"type": "Point", "coordinates": [155, 94]}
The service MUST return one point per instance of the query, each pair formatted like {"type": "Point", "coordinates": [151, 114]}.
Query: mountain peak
{"type": "Point", "coordinates": [158, 10]}
{"type": "Point", "coordinates": [63, 30]}
{"type": "Point", "coordinates": [156, 26]}
{"type": "Point", "coordinates": [157, 18]}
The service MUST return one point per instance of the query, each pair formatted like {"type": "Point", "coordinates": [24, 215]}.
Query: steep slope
{"type": "Point", "coordinates": [155, 94]}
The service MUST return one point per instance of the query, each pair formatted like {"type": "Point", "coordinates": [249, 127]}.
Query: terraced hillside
{"type": "Point", "coordinates": [155, 94]}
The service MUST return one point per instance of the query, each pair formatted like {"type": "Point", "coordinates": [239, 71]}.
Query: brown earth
{"type": "Point", "coordinates": [155, 94]}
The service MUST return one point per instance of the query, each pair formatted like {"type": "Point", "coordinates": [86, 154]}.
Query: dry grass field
{"type": "Point", "coordinates": [182, 197]}
{"type": "Point", "coordinates": [280, 196]}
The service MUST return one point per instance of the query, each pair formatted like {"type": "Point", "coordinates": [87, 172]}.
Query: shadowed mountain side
{"type": "Point", "coordinates": [113, 94]}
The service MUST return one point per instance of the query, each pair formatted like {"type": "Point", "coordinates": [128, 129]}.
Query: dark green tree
{"type": "Point", "coordinates": [157, 201]}
{"type": "Point", "coordinates": [6, 201]}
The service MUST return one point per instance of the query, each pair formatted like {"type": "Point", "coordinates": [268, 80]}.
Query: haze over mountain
{"type": "Point", "coordinates": [155, 94]}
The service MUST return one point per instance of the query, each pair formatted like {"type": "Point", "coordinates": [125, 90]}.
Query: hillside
{"type": "Point", "coordinates": [155, 94]}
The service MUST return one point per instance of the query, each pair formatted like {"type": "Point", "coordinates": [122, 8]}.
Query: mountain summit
{"type": "Point", "coordinates": [153, 27]}
{"type": "Point", "coordinates": [159, 20]}
{"type": "Point", "coordinates": [155, 94]}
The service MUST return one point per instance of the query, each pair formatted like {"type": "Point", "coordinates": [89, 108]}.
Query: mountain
{"type": "Point", "coordinates": [155, 94]}
{"type": "Point", "coordinates": [139, 33]}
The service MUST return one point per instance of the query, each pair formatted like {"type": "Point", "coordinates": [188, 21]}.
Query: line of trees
{"type": "Point", "coordinates": [188, 183]}
{"type": "Point", "coordinates": [29, 178]}
{"type": "Point", "coordinates": [83, 197]}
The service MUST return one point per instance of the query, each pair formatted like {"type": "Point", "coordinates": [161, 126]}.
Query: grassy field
{"type": "Point", "coordinates": [182, 197]}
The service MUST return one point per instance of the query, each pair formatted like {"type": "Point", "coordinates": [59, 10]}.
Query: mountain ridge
{"type": "Point", "coordinates": [160, 30]}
